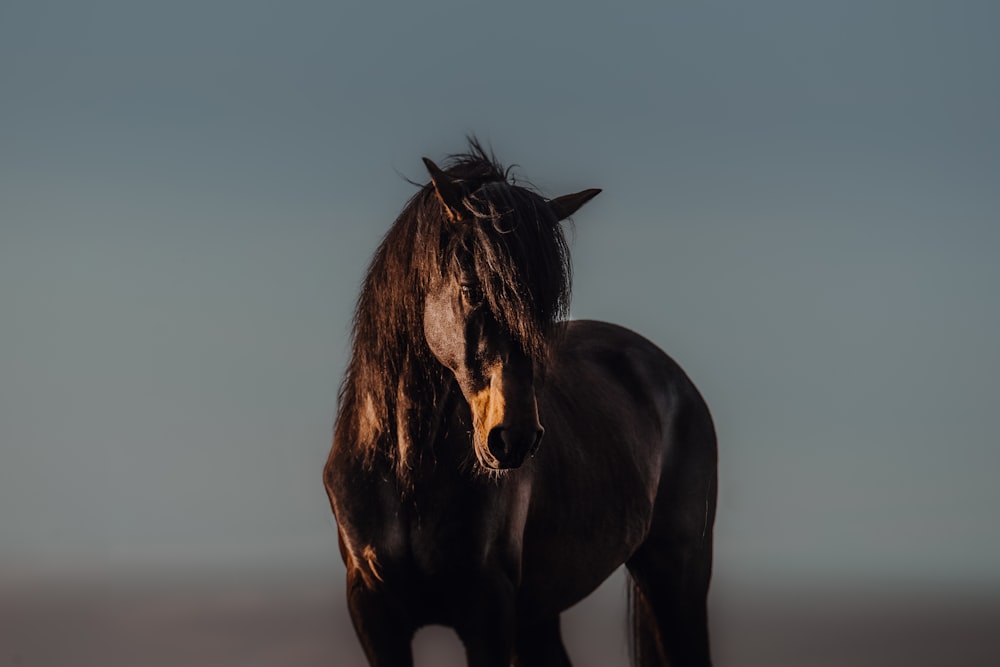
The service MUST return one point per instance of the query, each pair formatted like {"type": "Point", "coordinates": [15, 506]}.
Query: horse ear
{"type": "Point", "coordinates": [446, 189]}
{"type": "Point", "coordinates": [567, 205]}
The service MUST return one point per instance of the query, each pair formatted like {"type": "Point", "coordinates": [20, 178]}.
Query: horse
{"type": "Point", "coordinates": [451, 507]}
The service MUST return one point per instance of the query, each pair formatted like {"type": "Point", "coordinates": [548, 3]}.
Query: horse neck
{"type": "Point", "coordinates": [444, 450]}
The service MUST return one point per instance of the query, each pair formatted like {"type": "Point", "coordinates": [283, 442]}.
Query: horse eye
{"type": "Point", "coordinates": [472, 293]}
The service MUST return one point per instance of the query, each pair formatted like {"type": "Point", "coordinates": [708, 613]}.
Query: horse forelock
{"type": "Point", "coordinates": [520, 257]}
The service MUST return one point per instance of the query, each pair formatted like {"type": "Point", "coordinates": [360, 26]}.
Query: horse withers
{"type": "Point", "coordinates": [493, 463]}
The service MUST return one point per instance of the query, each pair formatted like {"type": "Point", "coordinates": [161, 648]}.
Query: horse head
{"type": "Point", "coordinates": [490, 306]}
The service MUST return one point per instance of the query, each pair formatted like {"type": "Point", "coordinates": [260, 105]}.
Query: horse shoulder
{"type": "Point", "coordinates": [366, 504]}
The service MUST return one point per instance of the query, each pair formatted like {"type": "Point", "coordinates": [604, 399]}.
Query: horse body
{"type": "Point", "coordinates": [613, 404]}
{"type": "Point", "coordinates": [498, 544]}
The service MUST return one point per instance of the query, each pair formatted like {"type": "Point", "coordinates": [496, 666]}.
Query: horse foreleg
{"type": "Point", "coordinates": [541, 644]}
{"type": "Point", "coordinates": [487, 628]}
{"type": "Point", "coordinates": [382, 627]}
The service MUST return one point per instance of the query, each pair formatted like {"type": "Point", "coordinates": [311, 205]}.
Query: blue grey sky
{"type": "Point", "coordinates": [800, 205]}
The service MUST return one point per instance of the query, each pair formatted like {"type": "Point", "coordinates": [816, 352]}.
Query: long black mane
{"type": "Point", "coordinates": [509, 238]}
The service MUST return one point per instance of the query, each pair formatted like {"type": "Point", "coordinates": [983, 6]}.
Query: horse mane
{"type": "Point", "coordinates": [517, 250]}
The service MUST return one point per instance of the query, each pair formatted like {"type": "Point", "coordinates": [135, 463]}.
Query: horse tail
{"type": "Point", "coordinates": [643, 633]}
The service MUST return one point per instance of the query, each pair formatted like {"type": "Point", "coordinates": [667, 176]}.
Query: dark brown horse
{"type": "Point", "coordinates": [451, 507]}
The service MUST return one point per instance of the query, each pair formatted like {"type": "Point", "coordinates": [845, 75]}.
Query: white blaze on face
{"type": "Point", "coordinates": [508, 403]}
{"type": "Point", "coordinates": [489, 406]}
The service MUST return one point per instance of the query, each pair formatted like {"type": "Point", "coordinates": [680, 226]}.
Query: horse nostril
{"type": "Point", "coordinates": [510, 448]}
{"type": "Point", "coordinates": [497, 443]}
{"type": "Point", "coordinates": [538, 440]}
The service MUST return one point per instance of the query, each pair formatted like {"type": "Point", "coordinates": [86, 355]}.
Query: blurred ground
{"type": "Point", "coordinates": [203, 619]}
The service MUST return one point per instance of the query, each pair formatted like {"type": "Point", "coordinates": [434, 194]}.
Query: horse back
{"type": "Point", "coordinates": [615, 396]}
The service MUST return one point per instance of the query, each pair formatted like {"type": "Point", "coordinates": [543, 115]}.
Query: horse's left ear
{"type": "Point", "coordinates": [446, 189]}
{"type": "Point", "coordinates": [567, 205]}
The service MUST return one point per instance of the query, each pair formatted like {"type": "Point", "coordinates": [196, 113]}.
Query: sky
{"type": "Point", "coordinates": [800, 205]}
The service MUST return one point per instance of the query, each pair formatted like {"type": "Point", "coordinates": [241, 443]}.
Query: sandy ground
{"type": "Point", "coordinates": [203, 620]}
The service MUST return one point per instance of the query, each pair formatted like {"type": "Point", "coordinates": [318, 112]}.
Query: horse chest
{"type": "Point", "coordinates": [399, 538]}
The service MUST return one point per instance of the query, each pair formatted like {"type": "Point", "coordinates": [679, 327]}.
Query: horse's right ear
{"type": "Point", "coordinates": [448, 191]}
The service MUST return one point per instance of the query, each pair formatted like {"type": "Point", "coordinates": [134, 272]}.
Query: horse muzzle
{"type": "Point", "coordinates": [509, 447]}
